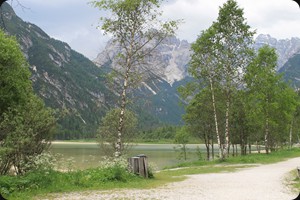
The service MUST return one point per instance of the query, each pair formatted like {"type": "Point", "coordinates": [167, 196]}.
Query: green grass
{"type": "Point", "coordinates": [253, 158]}
{"type": "Point", "coordinates": [41, 183]}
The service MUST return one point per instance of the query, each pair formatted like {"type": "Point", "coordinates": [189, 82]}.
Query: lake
{"type": "Point", "coordinates": [88, 155]}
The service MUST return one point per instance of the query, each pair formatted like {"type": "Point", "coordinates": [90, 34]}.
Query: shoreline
{"type": "Point", "coordinates": [72, 142]}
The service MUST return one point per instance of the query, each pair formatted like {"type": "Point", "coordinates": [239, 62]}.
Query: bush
{"type": "Point", "coordinates": [47, 180]}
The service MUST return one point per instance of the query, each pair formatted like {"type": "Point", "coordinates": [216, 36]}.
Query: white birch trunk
{"type": "Point", "coordinates": [291, 134]}
{"type": "Point", "coordinates": [226, 145]}
{"type": "Point", "coordinates": [267, 135]}
{"type": "Point", "coordinates": [119, 144]}
{"type": "Point", "coordinates": [216, 119]}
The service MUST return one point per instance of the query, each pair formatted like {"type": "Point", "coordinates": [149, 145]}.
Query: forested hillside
{"type": "Point", "coordinates": [65, 79]}
{"type": "Point", "coordinates": [71, 83]}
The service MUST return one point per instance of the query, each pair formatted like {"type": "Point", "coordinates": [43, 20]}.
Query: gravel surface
{"type": "Point", "coordinates": [255, 183]}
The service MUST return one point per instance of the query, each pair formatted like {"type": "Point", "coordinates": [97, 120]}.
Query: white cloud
{"type": "Point", "coordinates": [75, 21]}
{"type": "Point", "coordinates": [275, 17]}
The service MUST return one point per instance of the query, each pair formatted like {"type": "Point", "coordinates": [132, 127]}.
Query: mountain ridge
{"type": "Point", "coordinates": [70, 82]}
{"type": "Point", "coordinates": [65, 79]}
{"type": "Point", "coordinates": [174, 55]}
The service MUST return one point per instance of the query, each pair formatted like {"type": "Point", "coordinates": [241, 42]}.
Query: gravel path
{"type": "Point", "coordinates": [256, 183]}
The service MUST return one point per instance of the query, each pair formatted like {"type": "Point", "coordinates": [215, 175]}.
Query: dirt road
{"type": "Point", "coordinates": [265, 182]}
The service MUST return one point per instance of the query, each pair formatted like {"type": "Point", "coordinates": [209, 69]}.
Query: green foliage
{"type": "Point", "coordinates": [254, 158]}
{"type": "Point", "coordinates": [14, 74]}
{"type": "Point", "coordinates": [236, 92]}
{"type": "Point", "coordinates": [182, 136]}
{"type": "Point", "coordinates": [182, 139]}
{"type": "Point", "coordinates": [27, 132]}
{"type": "Point", "coordinates": [271, 103]}
{"type": "Point", "coordinates": [111, 172]}
{"type": "Point", "coordinates": [219, 56]}
{"type": "Point", "coordinates": [163, 133]}
{"type": "Point", "coordinates": [26, 125]}
{"type": "Point", "coordinates": [108, 131]}
{"type": "Point", "coordinates": [133, 26]}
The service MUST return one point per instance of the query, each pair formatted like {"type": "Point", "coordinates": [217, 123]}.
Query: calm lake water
{"type": "Point", "coordinates": [88, 155]}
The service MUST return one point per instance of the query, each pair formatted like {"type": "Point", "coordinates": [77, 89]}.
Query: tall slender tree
{"type": "Point", "coordinates": [221, 54]}
{"type": "Point", "coordinates": [136, 29]}
{"type": "Point", "coordinates": [204, 68]}
{"type": "Point", "coordinates": [234, 39]}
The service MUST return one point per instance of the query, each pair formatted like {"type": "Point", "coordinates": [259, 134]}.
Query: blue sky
{"type": "Point", "coordinates": [76, 21]}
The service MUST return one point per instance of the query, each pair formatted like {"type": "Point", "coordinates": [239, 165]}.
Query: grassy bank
{"type": "Point", "coordinates": [43, 183]}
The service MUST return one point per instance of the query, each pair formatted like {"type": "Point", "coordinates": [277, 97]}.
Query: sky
{"type": "Point", "coordinates": [76, 21]}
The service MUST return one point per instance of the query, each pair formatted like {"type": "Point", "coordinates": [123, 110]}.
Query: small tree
{"type": "Point", "coordinates": [28, 132]}
{"type": "Point", "coordinates": [136, 31]}
{"type": "Point", "coordinates": [182, 138]}
{"type": "Point", "coordinates": [107, 133]}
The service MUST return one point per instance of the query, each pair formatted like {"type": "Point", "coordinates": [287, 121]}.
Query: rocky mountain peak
{"type": "Point", "coordinates": [170, 58]}
{"type": "Point", "coordinates": [172, 55]}
{"type": "Point", "coordinates": [285, 48]}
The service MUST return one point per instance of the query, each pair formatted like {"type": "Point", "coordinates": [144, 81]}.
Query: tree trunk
{"type": "Point", "coordinates": [226, 145]}
{"type": "Point", "coordinates": [267, 136]}
{"type": "Point", "coordinates": [243, 144]}
{"type": "Point", "coordinates": [216, 120]}
{"type": "Point", "coordinates": [119, 144]}
{"type": "Point", "coordinates": [206, 140]}
{"type": "Point", "coordinates": [249, 148]}
{"type": "Point", "coordinates": [291, 134]}
{"type": "Point", "coordinates": [212, 149]}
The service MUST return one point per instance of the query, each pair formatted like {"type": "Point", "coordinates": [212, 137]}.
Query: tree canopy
{"type": "Point", "coordinates": [26, 125]}
{"type": "Point", "coordinates": [235, 89]}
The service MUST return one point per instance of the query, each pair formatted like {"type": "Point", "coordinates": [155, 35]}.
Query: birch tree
{"type": "Point", "coordinates": [136, 30]}
{"type": "Point", "coordinates": [272, 102]}
{"type": "Point", "coordinates": [204, 68]}
{"type": "Point", "coordinates": [221, 54]}
{"type": "Point", "coordinates": [234, 39]}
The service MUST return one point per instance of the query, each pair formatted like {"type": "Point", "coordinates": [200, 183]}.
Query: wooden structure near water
{"type": "Point", "coordinates": [138, 165]}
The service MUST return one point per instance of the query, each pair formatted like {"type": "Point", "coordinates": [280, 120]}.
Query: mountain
{"type": "Point", "coordinates": [285, 48]}
{"type": "Point", "coordinates": [173, 55]}
{"type": "Point", "coordinates": [291, 70]}
{"type": "Point", "coordinates": [288, 51]}
{"type": "Point", "coordinates": [62, 77]}
{"type": "Point", "coordinates": [71, 83]}
{"type": "Point", "coordinates": [168, 71]}
{"type": "Point", "coordinates": [170, 58]}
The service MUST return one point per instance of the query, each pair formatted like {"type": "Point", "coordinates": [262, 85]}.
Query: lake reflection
{"type": "Point", "coordinates": [88, 155]}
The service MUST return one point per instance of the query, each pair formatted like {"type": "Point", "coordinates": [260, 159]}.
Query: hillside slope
{"type": "Point", "coordinates": [65, 79]}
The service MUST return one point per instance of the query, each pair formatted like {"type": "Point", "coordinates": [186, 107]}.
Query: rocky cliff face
{"type": "Point", "coordinates": [169, 60]}
{"type": "Point", "coordinates": [285, 48]}
{"type": "Point", "coordinates": [173, 55]}
{"type": "Point", "coordinates": [63, 78]}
